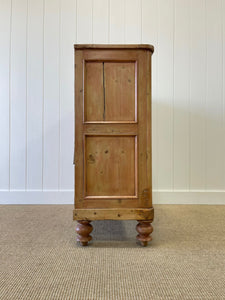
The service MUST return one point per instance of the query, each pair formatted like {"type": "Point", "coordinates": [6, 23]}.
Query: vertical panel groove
{"type": "Point", "coordinates": [205, 104]}
{"type": "Point", "coordinates": [165, 93]}
{"type": "Point", "coordinates": [18, 96]}
{"type": "Point", "coordinates": [26, 138]}
{"type": "Point", "coordinates": [133, 29]}
{"type": "Point", "coordinates": [108, 21]}
{"type": "Point", "coordinates": [198, 95]}
{"type": "Point", "coordinates": [172, 113]}
{"type": "Point", "coordinates": [157, 94]}
{"type": "Point", "coordinates": [43, 97]}
{"type": "Point", "coordinates": [222, 32]}
{"type": "Point", "coordinates": [10, 95]}
{"type": "Point", "coordinates": [124, 18]}
{"type": "Point", "coordinates": [190, 93]}
{"type": "Point", "coordinates": [59, 70]}
{"type": "Point", "coordinates": [51, 94]}
{"type": "Point", "coordinates": [222, 58]}
{"type": "Point", "coordinates": [141, 22]}
{"type": "Point", "coordinates": [215, 137]}
{"type": "Point", "coordinates": [100, 26]}
{"type": "Point", "coordinates": [76, 23]}
{"type": "Point", "coordinates": [222, 88]}
{"type": "Point", "coordinates": [67, 33]}
{"type": "Point", "coordinates": [92, 31]}
{"type": "Point", "coordinates": [189, 103]}
{"type": "Point", "coordinates": [116, 22]}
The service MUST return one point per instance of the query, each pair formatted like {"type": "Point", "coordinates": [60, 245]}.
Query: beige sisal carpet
{"type": "Point", "coordinates": [39, 257]}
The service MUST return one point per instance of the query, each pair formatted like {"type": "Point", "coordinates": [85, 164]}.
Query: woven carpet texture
{"type": "Point", "coordinates": [40, 259]}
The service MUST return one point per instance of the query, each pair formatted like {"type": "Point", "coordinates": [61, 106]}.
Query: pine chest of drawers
{"type": "Point", "coordinates": [113, 137]}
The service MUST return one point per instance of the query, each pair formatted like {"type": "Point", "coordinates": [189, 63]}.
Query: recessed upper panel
{"type": "Point", "coordinates": [110, 92]}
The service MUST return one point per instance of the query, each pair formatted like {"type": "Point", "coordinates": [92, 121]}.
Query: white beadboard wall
{"type": "Point", "coordinates": [37, 90]}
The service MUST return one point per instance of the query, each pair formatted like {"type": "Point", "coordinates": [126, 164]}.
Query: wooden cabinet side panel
{"type": "Point", "coordinates": [143, 187]}
{"type": "Point", "coordinates": [149, 126]}
{"type": "Point", "coordinates": [142, 129]}
{"type": "Point", "coordinates": [78, 202]}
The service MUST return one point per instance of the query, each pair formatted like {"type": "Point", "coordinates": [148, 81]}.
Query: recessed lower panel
{"type": "Point", "coordinates": [110, 166]}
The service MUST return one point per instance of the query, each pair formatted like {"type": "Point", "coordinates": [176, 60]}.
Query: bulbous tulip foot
{"type": "Point", "coordinates": [83, 230]}
{"type": "Point", "coordinates": [144, 229]}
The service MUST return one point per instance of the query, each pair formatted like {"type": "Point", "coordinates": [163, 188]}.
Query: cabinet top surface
{"type": "Point", "coordinates": [115, 46]}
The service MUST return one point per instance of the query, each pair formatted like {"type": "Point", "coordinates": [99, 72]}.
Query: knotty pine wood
{"type": "Point", "coordinates": [117, 46]}
{"type": "Point", "coordinates": [113, 133]}
{"type": "Point", "coordinates": [114, 214]}
{"type": "Point", "coordinates": [101, 178]}
{"type": "Point", "coordinates": [120, 94]}
{"type": "Point", "coordinates": [94, 96]}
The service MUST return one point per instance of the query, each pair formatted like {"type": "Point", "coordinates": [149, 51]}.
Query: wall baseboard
{"type": "Point", "coordinates": [37, 197]}
{"type": "Point", "coordinates": [212, 197]}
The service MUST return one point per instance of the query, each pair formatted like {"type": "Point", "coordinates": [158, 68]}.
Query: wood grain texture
{"type": "Point", "coordinates": [111, 128]}
{"type": "Point", "coordinates": [149, 125]}
{"type": "Point", "coordinates": [79, 155]}
{"type": "Point", "coordinates": [111, 202]}
{"type": "Point", "coordinates": [143, 184]}
{"type": "Point", "coordinates": [119, 46]}
{"type": "Point", "coordinates": [110, 166]}
{"type": "Point", "coordinates": [119, 55]}
{"type": "Point", "coordinates": [113, 158]}
{"type": "Point", "coordinates": [114, 214]}
{"type": "Point", "coordinates": [120, 91]}
{"type": "Point", "coordinates": [93, 92]}
{"type": "Point", "coordinates": [110, 91]}
{"type": "Point", "coordinates": [144, 229]}
{"type": "Point", "coordinates": [83, 230]}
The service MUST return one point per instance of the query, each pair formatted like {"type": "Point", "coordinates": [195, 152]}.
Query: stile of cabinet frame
{"type": "Point", "coordinates": [115, 207]}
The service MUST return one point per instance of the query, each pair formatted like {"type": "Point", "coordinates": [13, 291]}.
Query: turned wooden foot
{"type": "Point", "coordinates": [144, 228]}
{"type": "Point", "coordinates": [83, 229]}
